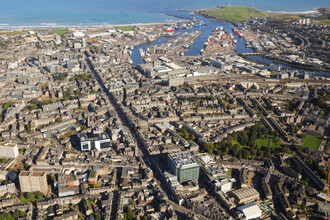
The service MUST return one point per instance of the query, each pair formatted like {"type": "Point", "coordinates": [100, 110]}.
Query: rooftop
{"type": "Point", "coordinates": [183, 159]}
{"type": "Point", "coordinates": [94, 136]}
{"type": "Point", "coordinates": [7, 144]}
{"type": "Point", "coordinates": [250, 209]}
{"type": "Point", "coordinates": [31, 173]}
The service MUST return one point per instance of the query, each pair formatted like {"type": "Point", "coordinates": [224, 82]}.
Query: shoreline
{"type": "Point", "coordinates": [303, 12]}
{"type": "Point", "coordinates": [199, 12]}
{"type": "Point", "coordinates": [100, 25]}
{"type": "Point", "coordinates": [292, 13]}
{"type": "Point", "coordinates": [96, 25]}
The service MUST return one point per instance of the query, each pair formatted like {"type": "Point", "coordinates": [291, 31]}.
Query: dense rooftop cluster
{"type": "Point", "coordinates": [86, 133]}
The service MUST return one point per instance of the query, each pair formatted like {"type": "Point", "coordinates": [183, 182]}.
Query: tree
{"type": "Point", "coordinates": [186, 136]}
{"type": "Point", "coordinates": [6, 216]}
{"type": "Point", "coordinates": [16, 215]}
{"type": "Point", "coordinates": [29, 195]}
{"type": "Point", "coordinates": [130, 213]}
{"type": "Point", "coordinates": [67, 94]}
{"type": "Point", "coordinates": [303, 136]}
{"type": "Point", "coordinates": [98, 216]}
{"type": "Point", "coordinates": [209, 147]}
{"type": "Point", "coordinates": [299, 125]}
{"type": "Point", "coordinates": [235, 150]}
{"type": "Point", "coordinates": [39, 195]}
{"type": "Point", "coordinates": [246, 154]}
{"type": "Point", "coordinates": [243, 138]}
{"type": "Point", "coordinates": [240, 155]}
{"type": "Point", "coordinates": [58, 120]}
{"type": "Point", "coordinates": [260, 153]}
{"type": "Point", "coordinates": [192, 137]}
{"type": "Point", "coordinates": [28, 127]}
{"type": "Point", "coordinates": [253, 133]}
{"type": "Point", "coordinates": [131, 202]}
{"type": "Point", "coordinates": [44, 87]}
{"type": "Point", "coordinates": [226, 150]}
{"type": "Point", "coordinates": [7, 105]}
{"type": "Point", "coordinates": [22, 213]}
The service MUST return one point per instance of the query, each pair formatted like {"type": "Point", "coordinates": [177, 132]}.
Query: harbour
{"type": "Point", "coordinates": [206, 30]}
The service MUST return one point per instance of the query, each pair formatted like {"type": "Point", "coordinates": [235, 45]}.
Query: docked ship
{"type": "Point", "coordinates": [142, 54]}
{"type": "Point", "coordinates": [170, 29]}
{"type": "Point", "coordinates": [197, 24]}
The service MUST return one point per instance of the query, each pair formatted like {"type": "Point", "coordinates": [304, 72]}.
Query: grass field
{"type": "Point", "coordinates": [265, 142]}
{"type": "Point", "coordinates": [324, 22]}
{"type": "Point", "coordinates": [24, 200]}
{"type": "Point", "coordinates": [286, 17]}
{"type": "Point", "coordinates": [41, 31]}
{"type": "Point", "coordinates": [60, 31]}
{"type": "Point", "coordinates": [56, 31]}
{"type": "Point", "coordinates": [127, 28]}
{"type": "Point", "coordinates": [312, 142]}
{"type": "Point", "coordinates": [234, 13]}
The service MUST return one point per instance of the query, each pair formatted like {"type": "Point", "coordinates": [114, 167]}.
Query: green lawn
{"type": "Point", "coordinates": [312, 142]}
{"type": "Point", "coordinates": [127, 28]}
{"type": "Point", "coordinates": [60, 31]}
{"type": "Point", "coordinates": [286, 17]}
{"type": "Point", "coordinates": [41, 31]}
{"type": "Point", "coordinates": [236, 142]}
{"type": "Point", "coordinates": [56, 31]}
{"type": "Point", "coordinates": [265, 142]}
{"type": "Point", "coordinates": [234, 13]}
{"type": "Point", "coordinates": [24, 200]}
{"type": "Point", "coordinates": [324, 22]}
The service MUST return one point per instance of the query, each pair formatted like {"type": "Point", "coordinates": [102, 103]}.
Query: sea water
{"type": "Point", "coordinates": [98, 12]}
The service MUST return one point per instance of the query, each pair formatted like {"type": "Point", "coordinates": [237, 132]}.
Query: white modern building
{"type": "Point", "coordinates": [225, 185]}
{"type": "Point", "coordinates": [96, 140]}
{"type": "Point", "coordinates": [8, 150]}
{"type": "Point", "coordinates": [250, 211]}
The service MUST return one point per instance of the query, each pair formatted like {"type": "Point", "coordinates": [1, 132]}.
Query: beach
{"type": "Point", "coordinates": [74, 13]}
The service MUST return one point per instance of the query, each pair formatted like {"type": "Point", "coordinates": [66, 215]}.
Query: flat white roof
{"type": "Point", "coordinates": [250, 210]}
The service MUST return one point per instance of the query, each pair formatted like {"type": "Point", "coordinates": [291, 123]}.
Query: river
{"type": "Point", "coordinates": [198, 44]}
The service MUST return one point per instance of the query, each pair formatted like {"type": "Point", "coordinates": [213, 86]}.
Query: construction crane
{"type": "Point", "coordinates": [327, 197]}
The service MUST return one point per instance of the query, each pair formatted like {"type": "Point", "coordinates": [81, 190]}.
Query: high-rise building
{"type": "Point", "coordinates": [8, 150]}
{"type": "Point", "coordinates": [84, 42]}
{"type": "Point", "coordinates": [30, 181]}
{"type": "Point", "coordinates": [184, 166]}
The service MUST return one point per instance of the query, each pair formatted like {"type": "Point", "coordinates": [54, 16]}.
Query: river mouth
{"type": "Point", "coordinates": [206, 31]}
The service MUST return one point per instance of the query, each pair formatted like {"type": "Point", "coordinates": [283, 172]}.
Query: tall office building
{"type": "Point", "coordinates": [30, 181]}
{"type": "Point", "coordinates": [8, 150]}
{"type": "Point", "coordinates": [184, 166]}
{"type": "Point", "coordinates": [84, 42]}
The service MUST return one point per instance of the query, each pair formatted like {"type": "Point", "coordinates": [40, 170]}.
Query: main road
{"type": "Point", "coordinates": [125, 121]}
